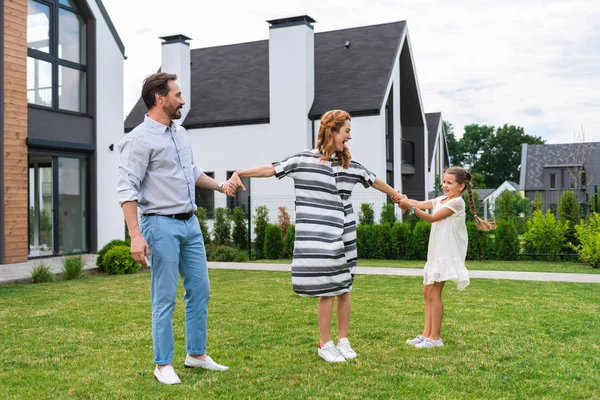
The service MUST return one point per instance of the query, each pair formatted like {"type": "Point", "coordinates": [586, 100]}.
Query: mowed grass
{"type": "Point", "coordinates": [487, 265]}
{"type": "Point", "coordinates": [91, 338]}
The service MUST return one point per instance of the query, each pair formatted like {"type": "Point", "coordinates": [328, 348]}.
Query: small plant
{"type": "Point", "coordinates": [240, 230]}
{"type": "Point", "coordinates": [222, 227]}
{"type": "Point", "coordinates": [288, 242]}
{"type": "Point", "coordinates": [225, 253]}
{"type": "Point", "coordinates": [273, 249]}
{"type": "Point", "coordinates": [73, 267]}
{"type": "Point", "coordinates": [41, 273]}
{"type": "Point", "coordinates": [480, 244]}
{"type": "Point", "coordinates": [203, 221]}
{"type": "Point", "coordinates": [388, 214]}
{"type": "Point", "coordinates": [242, 256]}
{"type": "Point", "coordinates": [366, 216]}
{"type": "Point", "coordinates": [588, 235]}
{"type": "Point", "coordinates": [261, 220]}
{"type": "Point", "coordinates": [545, 235]}
{"type": "Point", "coordinates": [283, 219]}
{"type": "Point", "coordinates": [118, 261]}
{"type": "Point", "coordinates": [569, 211]}
{"type": "Point", "coordinates": [507, 240]}
{"type": "Point", "coordinates": [106, 248]}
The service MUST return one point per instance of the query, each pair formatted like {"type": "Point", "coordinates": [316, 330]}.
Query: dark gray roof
{"type": "Point", "coordinates": [230, 84]}
{"type": "Point", "coordinates": [433, 122]}
{"type": "Point", "coordinates": [514, 184]}
{"type": "Point", "coordinates": [540, 156]}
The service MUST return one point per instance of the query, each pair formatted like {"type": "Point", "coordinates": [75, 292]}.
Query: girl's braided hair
{"type": "Point", "coordinates": [463, 176]}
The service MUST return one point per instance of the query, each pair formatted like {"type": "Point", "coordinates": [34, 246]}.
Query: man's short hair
{"type": "Point", "coordinates": [156, 84]}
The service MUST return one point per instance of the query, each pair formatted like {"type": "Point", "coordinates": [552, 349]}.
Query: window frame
{"type": "Point", "coordinates": [52, 57]}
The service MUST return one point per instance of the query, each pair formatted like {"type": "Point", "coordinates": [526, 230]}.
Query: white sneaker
{"type": "Point", "coordinates": [427, 343]}
{"type": "Point", "coordinates": [207, 363]}
{"type": "Point", "coordinates": [345, 350]}
{"type": "Point", "coordinates": [415, 341]}
{"type": "Point", "coordinates": [167, 375]}
{"type": "Point", "coordinates": [330, 353]}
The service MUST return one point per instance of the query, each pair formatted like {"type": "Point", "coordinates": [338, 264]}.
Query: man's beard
{"type": "Point", "coordinates": [173, 112]}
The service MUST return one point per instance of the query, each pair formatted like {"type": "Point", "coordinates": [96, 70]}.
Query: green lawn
{"type": "Point", "coordinates": [489, 265]}
{"type": "Point", "coordinates": [90, 338]}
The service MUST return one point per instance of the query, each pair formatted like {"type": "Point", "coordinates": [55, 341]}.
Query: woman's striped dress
{"type": "Point", "coordinates": [325, 242]}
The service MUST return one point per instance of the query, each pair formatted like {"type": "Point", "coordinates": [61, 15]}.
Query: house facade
{"type": "Point", "coordinates": [250, 104]}
{"type": "Point", "coordinates": [550, 169]}
{"type": "Point", "coordinates": [62, 114]}
{"type": "Point", "coordinates": [489, 201]}
{"type": "Point", "coordinates": [438, 156]}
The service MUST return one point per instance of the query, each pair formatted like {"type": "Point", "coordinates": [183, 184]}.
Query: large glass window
{"type": "Point", "coordinates": [57, 55]}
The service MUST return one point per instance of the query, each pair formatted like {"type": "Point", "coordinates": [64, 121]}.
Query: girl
{"type": "Point", "coordinates": [447, 248]}
{"type": "Point", "coordinates": [325, 256]}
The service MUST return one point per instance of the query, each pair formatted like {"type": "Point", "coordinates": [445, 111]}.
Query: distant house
{"type": "Point", "coordinates": [489, 201]}
{"type": "Point", "coordinates": [439, 158]}
{"type": "Point", "coordinates": [551, 169]}
{"type": "Point", "coordinates": [250, 104]}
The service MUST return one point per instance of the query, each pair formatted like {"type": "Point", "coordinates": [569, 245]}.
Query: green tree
{"type": "Point", "coordinates": [222, 227]}
{"type": "Point", "coordinates": [203, 221]}
{"type": "Point", "coordinates": [366, 216]}
{"type": "Point", "coordinates": [504, 206]}
{"type": "Point", "coordinates": [388, 214]}
{"type": "Point", "coordinates": [500, 158]}
{"type": "Point", "coordinates": [261, 220]}
{"type": "Point", "coordinates": [569, 212]}
{"type": "Point", "coordinates": [454, 150]}
{"type": "Point", "coordinates": [437, 185]}
{"type": "Point", "coordinates": [473, 142]}
{"type": "Point", "coordinates": [538, 203]}
{"type": "Point", "coordinates": [240, 231]}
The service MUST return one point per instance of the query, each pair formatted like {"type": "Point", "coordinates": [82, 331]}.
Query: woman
{"type": "Point", "coordinates": [325, 255]}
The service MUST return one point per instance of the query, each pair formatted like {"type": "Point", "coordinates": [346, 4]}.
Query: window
{"type": "Point", "coordinates": [206, 198]}
{"type": "Point", "coordinates": [562, 178]}
{"type": "Point", "coordinates": [552, 181]}
{"type": "Point", "coordinates": [56, 55]}
{"type": "Point", "coordinates": [241, 196]}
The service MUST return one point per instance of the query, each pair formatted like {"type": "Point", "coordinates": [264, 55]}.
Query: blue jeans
{"type": "Point", "coordinates": [177, 247]}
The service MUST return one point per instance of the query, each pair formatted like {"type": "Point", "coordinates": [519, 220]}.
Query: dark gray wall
{"type": "Point", "coordinates": [60, 126]}
{"type": "Point", "coordinates": [413, 185]}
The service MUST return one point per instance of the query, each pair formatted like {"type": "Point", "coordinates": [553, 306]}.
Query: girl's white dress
{"type": "Point", "coordinates": [448, 245]}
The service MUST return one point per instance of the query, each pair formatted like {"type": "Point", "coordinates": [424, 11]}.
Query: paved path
{"type": "Point", "coordinates": [20, 272]}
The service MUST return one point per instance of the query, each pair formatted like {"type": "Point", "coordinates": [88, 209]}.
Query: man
{"type": "Point", "coordinates": [157, 174]}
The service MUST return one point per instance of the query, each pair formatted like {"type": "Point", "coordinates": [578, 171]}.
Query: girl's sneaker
{"type": "Point", "coordinates": [330, 353]}
{"type": "Point", "coordinates": [427, 343]}
{"type": "Point", "coordinates": [345, 350]}
{"type": "Point", "coordinates": [416, 341]}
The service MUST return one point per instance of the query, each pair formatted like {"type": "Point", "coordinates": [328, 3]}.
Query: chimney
{"type": "Point", "coordinates": [292, 78]}
{"type": "Point", "coordinates": [176, 60]}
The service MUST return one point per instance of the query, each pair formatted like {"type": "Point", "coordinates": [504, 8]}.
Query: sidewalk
{"type": "Point", "coordinates": [10, 273]}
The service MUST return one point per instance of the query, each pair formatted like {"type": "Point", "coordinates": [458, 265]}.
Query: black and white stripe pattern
{"type": "Point", "coordinates": [325, 244]}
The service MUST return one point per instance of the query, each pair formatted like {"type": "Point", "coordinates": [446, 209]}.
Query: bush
{"type": "Point", "coordinates": [203, 221]}
{"type": "Point", "coordinates": [480, 245]}
{"type": "Point", "coordinates": [420, 239]}
{"type": "Point", "coordinates": [41, 273]}
{"type": "Point", "coordinates": [242, 256]}
{"type": "Point", "coordinates": [118, 261]}
{"type": "Point", "coordinates": [545, 235]}
{"type": "Point", "coordinates": [388, 214]}
{"type": "Point", "coordinates": [222, 226]}
{"type": "Point", "coordinates": [507, 240]}
{"type": "Point", "coordinates": [261, 220]}
{"type": "Point", "coordinates": [106, 248]}
{"type": "Point", "coordinates": [224, 253]}
{"type": "Point", "coordinates": [366, 242]}
{"type": "Point", "coordinates": [401, 241]}
{"type": "Point", "coordinates": [366, 216]}
{"type": "Point", "coordinates": [504, 206]}
{"type": "Point", "coordinates": [569, 212]}
{"type": "Point", "coordinates": [273, 247]}
{"type": "Point", "coordinates": [383, 241]}
{"type": "Point", "coordinates": [588, 235]}
{"type": "Point", "coordinates": [283, 219]}
{"type": "Point", "coordinates": [73, 267]}
{"type": "Point", "coordinates": [288, 242]}
{"type": "Point", "coordinates": [240, 230]}
{"type": "Point", "coordinates": [538, 203]}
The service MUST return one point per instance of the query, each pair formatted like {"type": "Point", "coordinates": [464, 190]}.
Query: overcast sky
{"type": "Point", "coordinates": [532, 63]}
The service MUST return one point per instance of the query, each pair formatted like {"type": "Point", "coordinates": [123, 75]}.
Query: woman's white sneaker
{"type": "Point", "coordinates": [330, 353]}
{"type": "Point", "coordinates": [416, 341]}
{"type": "Point", "coordinates": [345, 350]}
{"type": "Point", "coordinates": [427, 343]}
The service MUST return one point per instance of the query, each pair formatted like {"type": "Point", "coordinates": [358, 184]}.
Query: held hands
{"type": "Point", "coordinates": [233, 184]}
{"type": "Point", "coordinates": [402, 200]}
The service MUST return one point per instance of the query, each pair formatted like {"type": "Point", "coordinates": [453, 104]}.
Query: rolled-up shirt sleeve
{"type": "Point", "coordinates": [197, 171]}
{"type": "Point", "coordinates": [134, 158]}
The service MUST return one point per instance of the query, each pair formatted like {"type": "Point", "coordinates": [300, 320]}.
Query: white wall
{"type": "Point", "coordinates": [109, 130]}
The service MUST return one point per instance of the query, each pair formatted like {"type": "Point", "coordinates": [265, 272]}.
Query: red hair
{"type": "Point", "coordinates": [331, 122]}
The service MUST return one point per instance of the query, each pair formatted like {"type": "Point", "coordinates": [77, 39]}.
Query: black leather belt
{"type": "Point", "coordinates": [182, 216]}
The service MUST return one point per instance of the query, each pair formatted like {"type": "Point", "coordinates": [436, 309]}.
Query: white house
{"type": "Point", "coordinates": [489, 201]}
{"type": "Point", "coordinates": [62, 113]}
{"type": "Point", "coordinates": [254, 103]}
{"type": "Point", "coordinates": [438, 158]}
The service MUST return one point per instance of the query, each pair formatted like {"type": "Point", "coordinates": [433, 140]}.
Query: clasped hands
{"type": "Point", "coordinates": [232, 185]}
{"type": "Point", "coordinates": [402, 201]}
